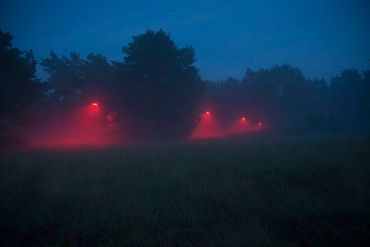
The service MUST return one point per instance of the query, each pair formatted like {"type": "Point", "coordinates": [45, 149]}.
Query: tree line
{"type": "Point", "coordinates": [286, 100]}
{"type": "Point", "coordinates": [156, 91]}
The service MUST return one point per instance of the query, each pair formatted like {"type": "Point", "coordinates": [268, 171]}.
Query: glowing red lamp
{"type": "Point", "coordinates": [95, 104]}
{"type": "Point", "coordinates": [244, 119]}
{"type": "Point", "coordinates": [208, 113]}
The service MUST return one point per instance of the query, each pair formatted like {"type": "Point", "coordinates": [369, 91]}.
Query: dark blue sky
{"type": "Point", "coordinates": [322, 37]}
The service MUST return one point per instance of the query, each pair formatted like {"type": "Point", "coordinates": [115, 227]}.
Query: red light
{"type": "Point", "coordinates": [207, 112]}
{"type": "Point", "coordinates": [244, 119]}
{"type": "Point", "coordinates": [95, 104]}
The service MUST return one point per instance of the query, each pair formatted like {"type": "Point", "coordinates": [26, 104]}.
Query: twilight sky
{"type": "Point", "coordinates": [322, 37]}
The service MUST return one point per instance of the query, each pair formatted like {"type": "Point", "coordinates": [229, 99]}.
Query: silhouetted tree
{"type": "Point", "coordinates": [279, 95]}
{"type": "Point", "coordinates": [19, 86]}
{"type": "Point", "coordinates": [317, 106]}
{"type": "Point", "coordinates": [365, 102]}
{"type": "Point", "coordinates": [161, 86]}
{"type": "Point", "coordinates": [350, 100]}
{"type": "Point", "coordinates": [226, 99]}
{"type": "Point", "coordinates": [76, 80]}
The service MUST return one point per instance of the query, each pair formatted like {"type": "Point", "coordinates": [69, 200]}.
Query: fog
{"type": "Point", "coordinates": [278, 67]}
{"type": "Point", "coordinates": [157, 94]}
{"type": "Point", "coordinates": [91, 126]}
{"type": "Point", "coordinates": [72, 127]}
{"type": "Point", "coordinates": [184, 123]}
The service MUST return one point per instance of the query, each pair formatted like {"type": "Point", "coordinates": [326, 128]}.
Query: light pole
{"type": "Point", "coordinates": [96, 106]}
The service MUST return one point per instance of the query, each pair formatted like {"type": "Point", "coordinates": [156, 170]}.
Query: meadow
{"type": "Point", "coordinates": [253, 190]}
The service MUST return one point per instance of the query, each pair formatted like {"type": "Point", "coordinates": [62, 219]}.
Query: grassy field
{"type": "Point", "coordinates": [247, 191]}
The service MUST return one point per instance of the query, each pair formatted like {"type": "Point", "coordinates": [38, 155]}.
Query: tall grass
{"type": "Point", "coordinates": [235, 192]}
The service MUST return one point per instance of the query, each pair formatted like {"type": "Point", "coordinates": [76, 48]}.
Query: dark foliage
{"type": "Point", "coordinates": [76, 80]}
{"type": "Point", "coordinates": [287, 101]}
{"type": "Point", "coordinates": [156, 88]}
{"type": "Point", "coordinates": [156, 91]}
{"type": "Point", "coordinates": [350, 100]}
{"type": "Point", "coordinates": [162, 86]}
{"type": "Point", "coordinates": [19, 87]}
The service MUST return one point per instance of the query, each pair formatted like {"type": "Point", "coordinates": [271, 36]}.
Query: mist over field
{"type": "Point", "coordinates": [184, 123]}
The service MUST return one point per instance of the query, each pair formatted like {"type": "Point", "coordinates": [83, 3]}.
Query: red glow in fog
{"type": "Point", "coordinates": [76, 127]}
{"type": "Point", "coordinates": [208, 126]}
{"type": "Point", "coordinates": [91, 125]}
{"type": "Point", "coordinates": [260, 125]}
